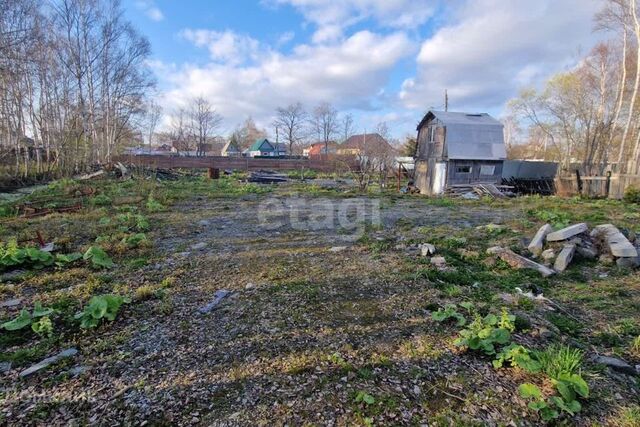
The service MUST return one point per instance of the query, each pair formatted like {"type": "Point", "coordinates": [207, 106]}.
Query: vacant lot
{"type": "Point", "coordinates": [328, 318]}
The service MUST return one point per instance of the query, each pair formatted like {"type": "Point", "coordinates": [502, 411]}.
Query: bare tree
{"type": "Point", "coordinates": [179, 131]}
{"type": "Point", "coordinates": [203, 121]}
{"type": "Point", "coordinates": [291, 122]}
{"type": "Point", "coordinates": [324, 123]}
{"type": "Point", "coordinates": [152, 116]}
{"type": "Point", "coordinates": [347, 126]}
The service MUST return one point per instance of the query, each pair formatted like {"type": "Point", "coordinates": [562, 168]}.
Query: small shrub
{"type": "Point", "coordinates": [98, 257]}
{"type": "Point", "coordinates": [449, 312]}
{"type": "Point", "coordinates": [100, 307]}
{"type": "Point", "coordinates": [484, 333]}
{"type": "Point", "coordinates": [518, 356]}
{"type": "Point", "coordinates": [38, 319]}
{"type": "Point", "coordinates": [632, 195]}
{"type": "Point", "coordinates": [101, 200]}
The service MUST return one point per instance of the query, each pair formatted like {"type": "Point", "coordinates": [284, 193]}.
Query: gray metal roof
{"type": "Point", "coordinates": [472, 136]}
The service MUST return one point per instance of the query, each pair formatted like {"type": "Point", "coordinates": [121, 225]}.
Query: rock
{"type": "Point", "coordinates": [76, 371]}
{"type": "Point", "coordinates": [548, 256]}
{"type": "Point", "coordinates": [204, 223]}
{"type": "Point", "coordinates": [616, 364]}
{"type": "Point", "coordinates": [12, 275]}
{"type": "Point", "coordinates": [198, 246]}
{"type": "Point", "coordinates": [427, 249]}
{"type": "Point", "coordinates": [48, 362]}
{"type": "Point", "coordinates": [11, 303]}
{"type": "Point", "coordinates": [567, 233]}
{"type": "Point", "coordinates": [537, 243]}
{"type": "Point", "coordinates": [618, 245]}
{"type": "Point", "coordinates": [465, 253]}
{"type": "Point", "coordinates": [337, 249]}
{"type": "Point", "coordinates": [564, 258]}
{"type": "Point", "coordinates": [400, 247]}
{"type": "Point", "coordinates": [628, 262]}
{"type": "Point", "coordinates": [250, 286]}
{"type": "Point", "coordinates": [587, 252]}
{"type": "Point", "coordinates": [518, 261]}
{"type": "Point", "coordinates": [439, 261]}
{"type": "Point", "coordinates": [5, 367]}
{"type": "Point", "coordinates": [218, 297]}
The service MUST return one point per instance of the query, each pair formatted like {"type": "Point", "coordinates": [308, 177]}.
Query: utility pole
{"type": "Point", "coordinates": [446, 100]}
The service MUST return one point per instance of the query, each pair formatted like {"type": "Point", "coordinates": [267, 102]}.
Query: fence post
{"type": "Point", "coordinates": [579, 182]}
{"type": "Point", "coordinates": [607, 187]}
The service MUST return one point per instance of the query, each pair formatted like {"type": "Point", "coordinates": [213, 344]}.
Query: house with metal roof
{"type": "Point", "coordinates": [264, 148]}
{"type": "Point", "coordinates": [458, 148]}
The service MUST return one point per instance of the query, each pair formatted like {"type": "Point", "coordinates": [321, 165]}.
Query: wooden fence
{"type": "Point", "coordinates": [611, 186]}
{"type": "Point", "coordinates": [331, 163]}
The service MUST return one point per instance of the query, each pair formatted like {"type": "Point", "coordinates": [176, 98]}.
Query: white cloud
{"type": "Point", "coordinates": [494, 47]}
{"type": "Point", "coordinates": [348, 74]}
{"type": "Point", "coordinates": [225, 46]}
{"type": "Point", "coordinates": [150, 9]}
{"type": "Point", "coordinates": [333, 16]}
{"type": "Point", "coordinates": [285, 38]}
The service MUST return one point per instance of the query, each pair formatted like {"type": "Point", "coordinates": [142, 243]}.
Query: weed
{"type": "Point", "coordinates": [628, 417]}
{"type": "Point", "coordinates": [565, 324]}
{"type": "Point", "coordinates": [557, 360]}
{"type": "Point", "coordinates": [100, 307]}
{"type": "Point", "coordinates": [98, 257]}
{"type": "Point", "coordinates": [635, 346]}
{"type": "Point", "coordinates": [449, 312]}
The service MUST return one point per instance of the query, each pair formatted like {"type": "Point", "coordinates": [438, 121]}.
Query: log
{"type": "Point", "coordinates": [519, 262]}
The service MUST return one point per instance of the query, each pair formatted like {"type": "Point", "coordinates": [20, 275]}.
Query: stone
{"type": "Point", "coordinates": [439, 261]}
{"type": "Point", "coordinates": [537, 243]}
{"type": "Point", "coordinates": [567, 233]}
{"type": "Point", "coordinates": [198, 246]}
{"type": "Point", "coordinates": [628, 262]}
{"type": "Point", "coordinates": [518, 261]}
{"type": "Point", "coordinates": [587, 252]}
{"type": "Point", "coordinates": [564, 258]}
{"type": "Point", "coordinates": [618, 245]}
{"type": "Point", "coordinates": [76, 371]}
{"type": "Point", "coordinates": [48, 362]}
{"type": "Point", "coordinates": [5, 367]}
{"type": "Point", "coordinates": [616, 364]}
{"type": "Point", "coordinates": [11, 303]}
{"type": "Point", "coordinates": [12, 275]}
{"type": "Point", "coordinates": [204, 223]}
{"type": "Point", "coordinates": [217, 299]}
{"type": "Point", "coordinates": [250, 286]}
{"type": "Point", "coordinates": [427, 249]}
{"type": "Point", "coordinates": [337, 249]}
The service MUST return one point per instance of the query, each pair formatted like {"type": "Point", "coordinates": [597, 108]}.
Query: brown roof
{"type": "Point", "coordinates": [366, 141]}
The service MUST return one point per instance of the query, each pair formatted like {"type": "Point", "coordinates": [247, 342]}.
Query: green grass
{"type": "Point", "coordinates": [559, 359]}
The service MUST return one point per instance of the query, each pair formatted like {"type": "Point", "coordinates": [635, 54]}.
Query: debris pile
{"type": "Point", "coordinates": [477, 190]}
{"type": "Point", "coordinates": [267, 177]}
{"type": "Point", "coordinates": [605, 242]}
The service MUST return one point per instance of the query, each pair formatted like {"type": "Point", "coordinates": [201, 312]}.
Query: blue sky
{"type": "Point", "coordinates": [381, 60]}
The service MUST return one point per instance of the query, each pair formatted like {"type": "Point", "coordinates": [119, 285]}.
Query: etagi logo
{"type": "Point", "coordinates": [348, 217]}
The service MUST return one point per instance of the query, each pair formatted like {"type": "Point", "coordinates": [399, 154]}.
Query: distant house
{"type": "Point", "coordinates": [231, 149]}
{"type": "Point", "coordinates": [264, 148]}
{"type": "Point", "coordinates": [458, 148]}
{"type": "Point", "coordinates": [363, 144]}
{"type": "Point", "coordinates": [319, 148]}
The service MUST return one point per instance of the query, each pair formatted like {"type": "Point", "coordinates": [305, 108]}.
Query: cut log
{"type": "Point", "coordinates": [519, 262]}
{"type": "Point", "coordinates": [537, 243]}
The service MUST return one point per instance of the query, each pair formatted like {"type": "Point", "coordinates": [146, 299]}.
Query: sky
{"type": "Point", "coordinates": [380, 60]}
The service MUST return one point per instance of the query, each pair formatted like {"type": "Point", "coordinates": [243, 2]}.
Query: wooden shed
{"type": "Point", "coordinates": [458, 148]}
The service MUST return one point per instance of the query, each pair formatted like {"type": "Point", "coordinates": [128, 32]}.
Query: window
{"type": "Point", "coordinates": [432, 133]}
{"type": "Point", "coordinates": [487, 169]}
{"type": "Point", "coordinates": [463, 169]}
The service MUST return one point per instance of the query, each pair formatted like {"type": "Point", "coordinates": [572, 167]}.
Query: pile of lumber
{"type": "Point", "coordinates": [267, 177]}
{"type": "Point", "coordinates": [480, 189]}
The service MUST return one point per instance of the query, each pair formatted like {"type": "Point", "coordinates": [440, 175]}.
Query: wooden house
{"type": "Point", "coordinates": [458, 148]}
